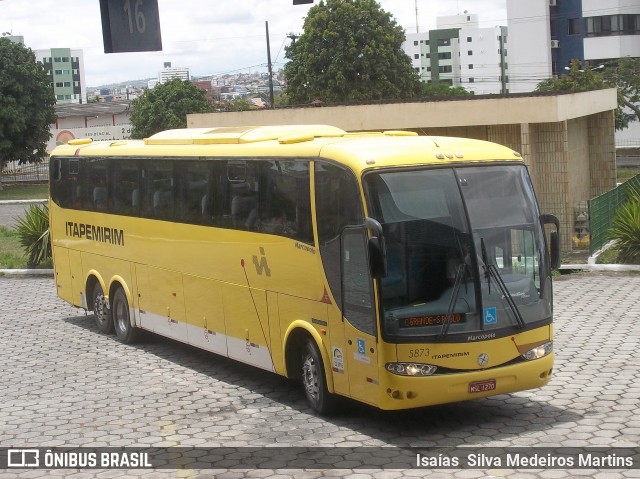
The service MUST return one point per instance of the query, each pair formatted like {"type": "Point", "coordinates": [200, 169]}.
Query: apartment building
{"type": "Point", "coordinates": [65, 68]}
{"type": "Point", "coordinates": [167, 73]}
{"type": "Point", "coordinates": [545, 35]}
{"type": "Point", "coordinates": [461, 54]}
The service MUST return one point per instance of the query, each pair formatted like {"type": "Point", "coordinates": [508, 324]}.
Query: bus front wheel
{"type": "Point", "coordinates": [125, 331]}
{"type": "Point", "coordinates": [314, 380]}
{"type": "Point", "coordinates": [101, 312]}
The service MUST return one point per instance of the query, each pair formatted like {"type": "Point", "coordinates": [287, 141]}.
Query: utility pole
{"type": "Point", "coordinates": [271, 100]}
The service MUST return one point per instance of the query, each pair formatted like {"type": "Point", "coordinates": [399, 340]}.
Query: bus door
{"type": "Point", "coordinates": [360, 332]}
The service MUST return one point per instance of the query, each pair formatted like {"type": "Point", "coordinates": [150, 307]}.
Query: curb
{"type": "Point", "coordinates": [600, 267]}
{"type": "Point", "coordinates": [26, 272]}
{"type": "Point", "coordinates": [21, 202]}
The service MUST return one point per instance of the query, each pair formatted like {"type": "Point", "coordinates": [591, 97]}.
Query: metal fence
{"type": "Point", "coordinates": [602, 210]}
{"type": "Point", "coordinates": [14, 172]}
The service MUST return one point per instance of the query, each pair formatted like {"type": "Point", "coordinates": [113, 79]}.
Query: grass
{"type": "Point", "coordinates": [17, 191]}
{"type": "Point", "coordinates": [625, 174]}
{"type": "Point", "coordinates": [11, 253]}
{"type": "Point", "coordinates": [608, 256]}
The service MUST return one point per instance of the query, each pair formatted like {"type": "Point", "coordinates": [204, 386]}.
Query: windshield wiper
{"type": "Point", "coordinates": [490, 270]}
{"type": "Point", "coordinates": [452, 302]}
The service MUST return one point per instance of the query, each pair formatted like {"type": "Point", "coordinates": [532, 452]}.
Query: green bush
{"type": "Point", "coordinates": [33, 231]}
{"type": "Point", "coordinates": [626, 231]}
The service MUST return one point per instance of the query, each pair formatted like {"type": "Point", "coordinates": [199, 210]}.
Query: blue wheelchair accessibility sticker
{"type": "Point", "coordinates": [490, 315]}
{"type": "Point", "coordinates": [361, 346]}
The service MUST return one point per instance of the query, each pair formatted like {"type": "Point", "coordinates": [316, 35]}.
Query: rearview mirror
{"type": "Point", "coordinates": [377, 248]}
{"type": "Point", "coordinates": [554, 239]}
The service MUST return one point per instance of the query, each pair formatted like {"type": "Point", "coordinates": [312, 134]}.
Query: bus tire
{"type": "Point", "coordinates": [125, 331]}
{"type": "Point", "coordinates": [314, 381]}
{"type": "Point", "coordinates": [101, 311]}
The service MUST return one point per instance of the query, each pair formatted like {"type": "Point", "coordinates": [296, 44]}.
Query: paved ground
{"type": "Point", "coordinates": [10, 211]}
{"type": "Point", "coordinates": [64, 384]}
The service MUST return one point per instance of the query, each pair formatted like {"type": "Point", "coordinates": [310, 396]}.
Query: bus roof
{"type": "Point", "coordinates": [360, 150]}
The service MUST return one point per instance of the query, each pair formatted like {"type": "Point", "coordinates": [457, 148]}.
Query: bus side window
{"type": "Point", "coordinates": [285, 202]}
{"type": "Point", "coordinates": [56, 169]}
{"type": "Point", "coordinates": [337, 201]}
{"type": "Point", "coordinates": [194, 199]}
{"type": "Point", "coordinates": [158, 197]}
{"type": "Point", "coordinates": [95, 192]}
{"type": "Point", "coordinates": [337, 205]}
{"type": "Point", "coordinates": [241, 188]}
{"type": "Point", "coordinates": [126, 186]}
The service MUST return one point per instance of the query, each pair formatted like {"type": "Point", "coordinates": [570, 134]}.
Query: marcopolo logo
{"type": "Point", "coordinates": [23, 458]}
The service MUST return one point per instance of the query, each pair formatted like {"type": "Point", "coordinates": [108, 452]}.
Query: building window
{"type": "Point", "coordinates": [416, 56]}
{"type": "Point", "coordinates": [469, 39]}
{"type": "Point", "coordinates": [470, 66]}
{"type": "Point", "coordinates": [573, 26]}
{"type": "Point", "coordinates": [57, 59]}
{"type": "Point", "coordinates": [444, 56]}
{"type": "Point", "coordinates": [470, 52]}
{"type": "Point", "coordinates": [67, 84]}
{"type": "Point", "coordinates": [444, 42]}
{"type": "Point", "coordinates": [472, 80]}
{"type": "Point", "coordinates": [58, 72]}
{"type": "Point", "coordinates": [445, 69]}
{"type": "Point", "coordinates": [59, 84]}
{"type": "Point", "coordinates": [613, 25]}
{"type": "Point", "coordinates": [415, 43]}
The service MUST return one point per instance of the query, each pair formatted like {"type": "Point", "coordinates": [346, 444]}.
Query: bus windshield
{"type": "Point", "coordinates": [465, 252]}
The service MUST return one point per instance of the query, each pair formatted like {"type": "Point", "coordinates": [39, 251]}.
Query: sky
{"type": "Point", "coordinates": [210, 37]}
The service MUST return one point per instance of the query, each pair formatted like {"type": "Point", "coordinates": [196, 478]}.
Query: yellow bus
{"type": "Point", "coordinates": [395, 269]}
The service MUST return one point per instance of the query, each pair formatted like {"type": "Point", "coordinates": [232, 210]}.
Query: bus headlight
{"type": "Point", "coordinates": [411, 369]}
{"type": "Point", "coordinates": [539, 351]}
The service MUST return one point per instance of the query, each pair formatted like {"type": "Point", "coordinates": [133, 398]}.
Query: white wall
{"type": "Point", "coordinates": [485, 59]}
{"type": "Point", "coordinates": [101, 127]}
{"type": "Point", "coordinates": [529, 44]}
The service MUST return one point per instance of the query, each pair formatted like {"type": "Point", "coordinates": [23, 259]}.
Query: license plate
{"type": "Point", "coordinates": [482, 386]}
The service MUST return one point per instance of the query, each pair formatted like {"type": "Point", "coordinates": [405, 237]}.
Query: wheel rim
{"type": "Point", "coordinates": [121, 316]}
{"type": "Point", "coordinates": [310, 377]}
{"type": "Point", "coordinates": [99, 308]}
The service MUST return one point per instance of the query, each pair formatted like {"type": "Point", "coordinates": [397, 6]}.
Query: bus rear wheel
{"type": "Point", "coordinates": [101, 312]}
{"type": "Point", "coordinates": [314, 380]}
{"type": "Point", "coordinates": [125, 331]}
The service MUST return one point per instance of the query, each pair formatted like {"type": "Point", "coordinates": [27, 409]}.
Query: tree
{"type": "Point", "coordinates": [350, 51]}
{"type": "Point", "coordinates": [442, 90]}
{"type": "Point", "coordinates": [166, 106]}
{"type": "Point", "coordinates": [576, 80]}
{"type": "Point", "coordinates": [584, 80]}
{"type": "Point", "coordinates": [26, 105]}
{"type": "Point", "coordinates": [624, 73]}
